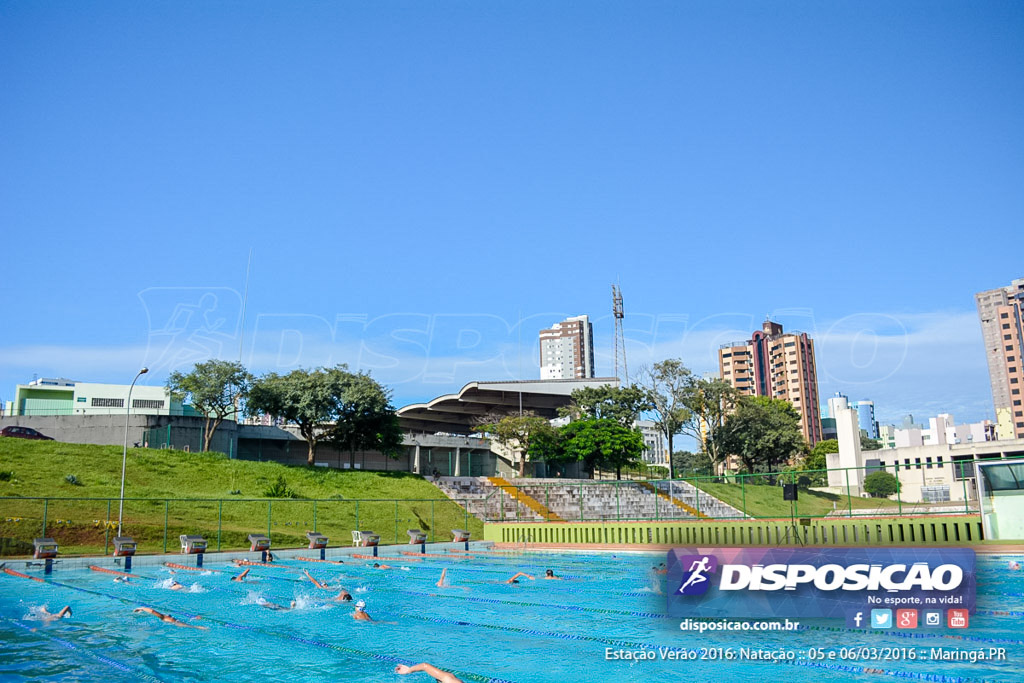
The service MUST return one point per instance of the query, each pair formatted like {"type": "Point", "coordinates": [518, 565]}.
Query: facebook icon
{"type": "Point", "coordinates": [855, 619]}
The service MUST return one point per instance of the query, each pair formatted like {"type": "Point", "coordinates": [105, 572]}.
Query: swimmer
{"type": "Point", "coordinates": [360, 613]}
{"type": "Point", "coordinates": [550, 574]}
{"type": "Point", "coordinates": [175, 586]}
{"type": "Point", "coordinates": [382, 566]}
{"type": "Point", "coordinates": [1014, 566]}
{"type": "Point", "coordinates": [343, 596]}
{"type": "Point", "coordinates": [433, 671]}
{"type": "Point", "coordinates": [167, 618]}
{"type": "Point", "coordinates": [48, 617]}
{"type": "Point", "coordinates": [443, 581]}
{"type": "Point", "coordinates": [121, 579]}
{"type": "Point", "coordinates": [263, 602]}
{"type": "Point", "coordinates": [315, 582]}
{"type": "Point", "coordinates": [241, 577]}
{"type": "Point", "coordinates": [660, 569]}
{"type": "Point", "coordinates": [515, 579]}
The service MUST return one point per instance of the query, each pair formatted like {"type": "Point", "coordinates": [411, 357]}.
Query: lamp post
{"type": "Point", "coordinates": [124, 457]}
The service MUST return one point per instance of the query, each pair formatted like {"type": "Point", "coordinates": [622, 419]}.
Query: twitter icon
{"type": "Point", "coordinates": [881, 618]}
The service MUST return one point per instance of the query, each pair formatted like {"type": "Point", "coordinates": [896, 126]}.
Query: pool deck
{"type": "Point", "coordinates": [215, 561]}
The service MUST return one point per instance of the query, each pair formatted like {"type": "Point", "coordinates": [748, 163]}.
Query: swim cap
{"type": "Point", "coordinates": [360, 605]}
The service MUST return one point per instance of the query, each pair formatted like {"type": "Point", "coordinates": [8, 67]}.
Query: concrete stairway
{"type": "Point", "coordinates": [487, 502]}
{"type": "Point", "coordinates": [532, 500]}
{"type": "Point", "coordinates": [517, 494]}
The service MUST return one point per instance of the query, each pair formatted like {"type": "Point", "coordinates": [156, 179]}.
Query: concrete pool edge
{"type": "Point", "coordinates": [220, 559]}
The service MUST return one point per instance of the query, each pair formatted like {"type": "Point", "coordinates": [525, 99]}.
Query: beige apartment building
{"type": "Point", "coordinates": [567, 349]}
{"type": "Point", "coordinates": [1000, 311]}
{"type": "Point", "coordinates": [776, 364]}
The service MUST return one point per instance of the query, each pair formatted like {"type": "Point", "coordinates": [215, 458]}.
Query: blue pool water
{"type": "Point", "coordinates": [478, 626]}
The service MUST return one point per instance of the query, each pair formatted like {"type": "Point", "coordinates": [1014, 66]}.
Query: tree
{"type": "Point", "coordinates": [691, 464]}
{"type": "Point", "coordinates": [763, 432]}
{"type": "Point", "coordinates": [215, 388]}
{"type": "Point", "coordinates": [881, 484]}
{"type": "Point", "coordinates": [331, 404]}
{"type": "Point", "coordinates": [868, 444]}
{"type": "Point", "coordinates": [815, 460]}
{"type": "Point", "coordinates": [517, 432]}
{"type": "Point", "coordinates": [666, 384]}
{"type": "Point", "coordinates": [601, 443]}
{"type": "Point", "coordinates": [622, 404]}
{"type": "Point", "coordinates": [709, 402]}
{"type": "Point", "coordinates": [366, 419]}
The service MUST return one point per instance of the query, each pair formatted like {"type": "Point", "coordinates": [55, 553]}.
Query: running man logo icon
{"type": "Point", "coordinates": [696, 570]}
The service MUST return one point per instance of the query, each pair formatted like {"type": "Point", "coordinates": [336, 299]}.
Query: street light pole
{"type": "Point", "coordinates": [124, 457]}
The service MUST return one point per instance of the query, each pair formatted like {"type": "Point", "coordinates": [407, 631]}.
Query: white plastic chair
{"type": "Point", "coordinates": [357, 538]}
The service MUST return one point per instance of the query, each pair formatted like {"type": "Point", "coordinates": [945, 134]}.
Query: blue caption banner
{"type": "Point", "coordinates": [817, 582]}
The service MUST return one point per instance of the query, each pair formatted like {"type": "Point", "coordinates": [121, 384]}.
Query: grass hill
{"type": "Point", "coordinates": [164, 488]}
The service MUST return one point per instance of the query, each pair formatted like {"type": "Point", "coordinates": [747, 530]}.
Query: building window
{"type": "Point", "coordinates": [147, 403]}
{"type": "Point", "coordinates": [1004, 315]}
{"type": "Point", "coordinates": [935, 494]}
{"type": "Point", "coordinates": [107, 403]}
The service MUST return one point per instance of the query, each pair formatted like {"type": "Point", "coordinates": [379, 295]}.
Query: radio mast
{"type": "Point", "coordinates": [620, 338]}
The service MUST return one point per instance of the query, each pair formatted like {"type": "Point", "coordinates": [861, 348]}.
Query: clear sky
{"type": "Point", "coordinates": [425, 185]}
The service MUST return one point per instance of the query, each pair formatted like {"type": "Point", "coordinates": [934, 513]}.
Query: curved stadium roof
{"type": "Point", "coordinates": [478, 401]}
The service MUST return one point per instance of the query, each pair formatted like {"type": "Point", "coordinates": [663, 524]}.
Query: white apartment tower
{"type": "Point", "coordinates": [567, 349]}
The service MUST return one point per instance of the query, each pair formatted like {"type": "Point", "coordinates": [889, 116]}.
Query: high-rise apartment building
{"type": "Point", "coordinates": [773, 363]}
{"type": "Point", "coordinates": [567, 349]}
{"type": "Point", "coordinates": [1001, 312]}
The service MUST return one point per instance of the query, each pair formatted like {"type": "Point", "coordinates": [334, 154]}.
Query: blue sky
{"type": "Point", "coordinates": [424, 186]}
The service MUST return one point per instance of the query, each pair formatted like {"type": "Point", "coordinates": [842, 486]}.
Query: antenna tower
{"type": "Point", "coordinates": [620, 337]}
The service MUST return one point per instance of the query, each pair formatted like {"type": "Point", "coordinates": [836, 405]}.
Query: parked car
{"type": "Point", "coordinates": [24, 433]}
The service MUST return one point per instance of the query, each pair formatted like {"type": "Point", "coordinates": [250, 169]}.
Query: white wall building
{"type": "Point", "coordinates": [567, 349]}
{"type": "Point", "coordinates": [655, 452]}
{"type": "Point", "coordinates": [938, 472]}
{"type": "Point", "coordinates": [60, 396]}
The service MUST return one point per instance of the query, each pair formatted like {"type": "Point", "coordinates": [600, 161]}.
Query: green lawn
{"type": "Point", "coordinates": [766, 501]}
{"type": "Point", "coordinates": [157, 481]}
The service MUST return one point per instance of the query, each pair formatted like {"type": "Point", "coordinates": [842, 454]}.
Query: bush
{"type": "Point", "coordinates": [279, 489]}
{"type": "Point", "coordinates": [881, 484]}
{"type": "Point", "coordinates": [6, 476]}
{"type": "Point", "coordinates": [73, 480]}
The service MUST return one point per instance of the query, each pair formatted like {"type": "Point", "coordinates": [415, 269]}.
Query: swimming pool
{"type": "Point", "coordinates": [478, 627]}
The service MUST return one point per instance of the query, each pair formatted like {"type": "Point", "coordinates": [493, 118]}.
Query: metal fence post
{"type": "Point", "coordinates": [433, 533]}
{"type": "Point", "coordinates": [46, 508]}
{"type": "Point", "coordinates": [396, 521]}
{"type": "Point", "coordinates": [106, 527]}
{"type": "Point", "coordinates": [581, 501]}
{"type": "Point", "coordinates": [270, 512]}
{"type": "Point", "coordinates": [314, 515]}
{"type": "Point", "coordinates": [849, 498]}
{"type": "Point", "coordinates": [743, 490]}
{"type": "Point", "coordinates": [357, 514]}
{"type": "Point", "coordinates": [899, 491]}
{"type": "Point", "coordinates": [656, 496]}
{"type": "Point", "coordinates": [618, 509]}
{"type": "Point", "coordinates": [220, 517]}
{"type": "Point", "coordinates": [166, 504]}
